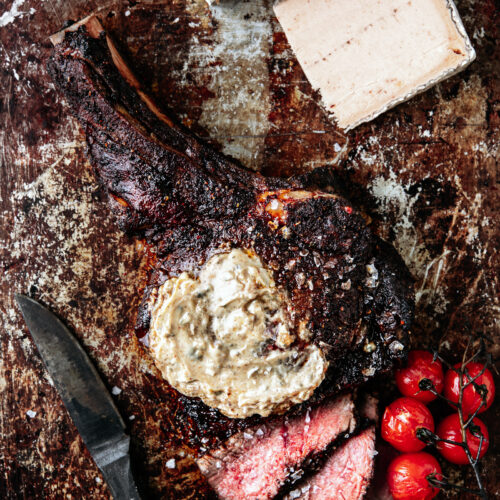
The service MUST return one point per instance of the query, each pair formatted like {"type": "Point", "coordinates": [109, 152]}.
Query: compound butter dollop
{"type": "Point", "coordinates": [225, 337]}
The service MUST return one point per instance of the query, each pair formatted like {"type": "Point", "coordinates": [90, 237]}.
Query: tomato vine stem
{"type": "Point", "coordinates": [465, 424]}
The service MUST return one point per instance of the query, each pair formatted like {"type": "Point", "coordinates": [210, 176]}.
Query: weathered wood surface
{"type": "Point", "coordinates": [426, 172]}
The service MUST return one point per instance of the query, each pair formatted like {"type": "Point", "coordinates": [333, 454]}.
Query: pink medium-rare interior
{"type": "Point", "coordinates": [260, 470]}
{"type": "Point", "coordinates": [347, 473]}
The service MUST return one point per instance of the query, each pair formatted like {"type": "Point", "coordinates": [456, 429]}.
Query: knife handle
{"type": "Point", "coordinates": [120, 480]}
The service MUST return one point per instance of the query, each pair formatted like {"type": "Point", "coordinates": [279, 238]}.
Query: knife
{"type": "Point", "coordinates": [85, 396]}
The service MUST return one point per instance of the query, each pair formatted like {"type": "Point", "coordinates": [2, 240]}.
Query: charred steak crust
{"type": "Point", "coordinates": [188, 202]}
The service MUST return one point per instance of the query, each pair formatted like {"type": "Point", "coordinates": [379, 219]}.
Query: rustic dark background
{"type": "Point", "coordinates": [426, 172]}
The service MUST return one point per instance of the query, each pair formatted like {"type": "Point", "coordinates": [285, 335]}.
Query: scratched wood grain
{"type": "Point", "coordinates": [426, 173]}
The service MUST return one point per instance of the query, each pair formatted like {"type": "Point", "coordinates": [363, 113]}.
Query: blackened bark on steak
{"type": "Point", "coordinates": [188, 202]}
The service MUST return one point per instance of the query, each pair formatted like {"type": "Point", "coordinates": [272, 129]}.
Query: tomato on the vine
{"type": "Point", "coordinates": [400, 423]}
{"type": "Point", "coordinates": [471, 398]}
{"type": "Point", "coordinates": [450, 429]}
{"type": "Point", "coordinates": [408, 474]}
{"type": "Point", "coordinates": [421, 365]}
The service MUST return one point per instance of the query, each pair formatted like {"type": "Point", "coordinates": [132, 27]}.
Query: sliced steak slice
{"type": "Point", "coordinates": [255, 463]}
{"type": "Point", "coordinates": [345, 475]}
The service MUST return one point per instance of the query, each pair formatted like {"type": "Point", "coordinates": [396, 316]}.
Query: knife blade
{"type": "Point", "coordinates": [84, 395]}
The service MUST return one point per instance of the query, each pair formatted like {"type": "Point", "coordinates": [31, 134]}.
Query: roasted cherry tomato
{"type": "Point", "coordinates": [407, 476]}
{"type": "Point", "coordinates": [400, 422]}
{"type": "Point", "coordinates": [471, 399]}
{"type": "Point", "coordinates": [420, 365]}
{"type": "Point", "coordinates": [450, 429]}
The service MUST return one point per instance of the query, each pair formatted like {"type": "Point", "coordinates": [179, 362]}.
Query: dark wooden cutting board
{"type": "Point", "coordinates": [426, 173]}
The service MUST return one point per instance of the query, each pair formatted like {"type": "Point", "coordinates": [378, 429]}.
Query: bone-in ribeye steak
{"type": "Point", "coordinates": [187, 201]}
